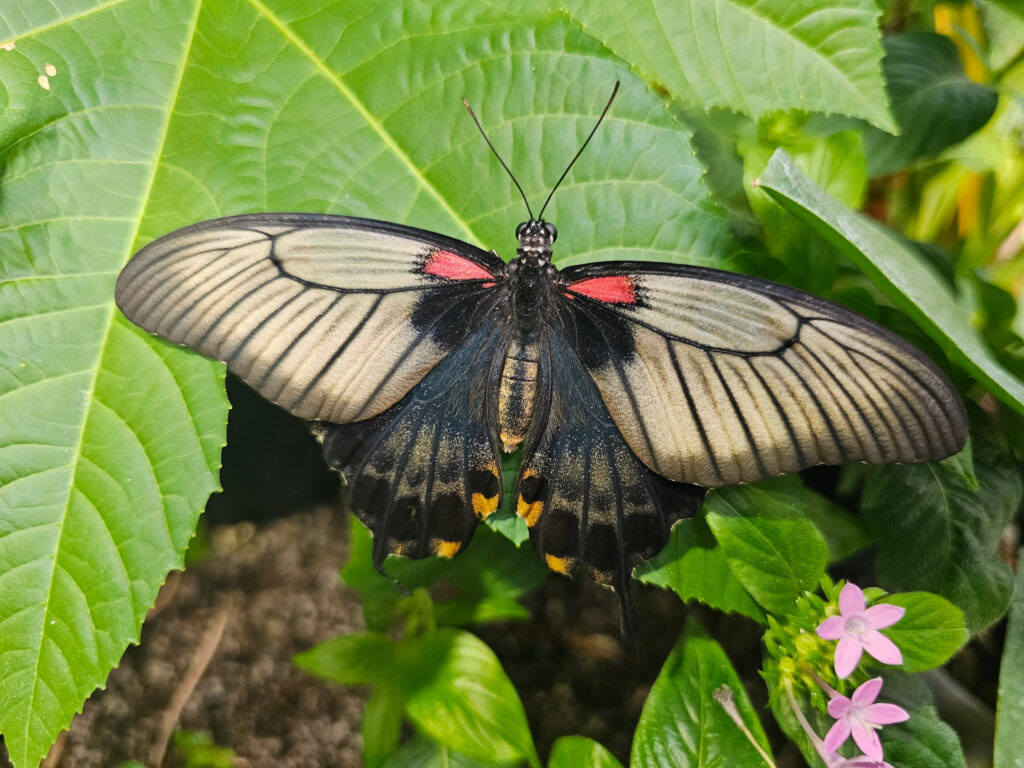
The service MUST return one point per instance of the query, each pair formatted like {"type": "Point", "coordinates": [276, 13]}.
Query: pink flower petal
{"type": "Point", "coordinates": [885, 714]}
{"type": "Point", "coordinates": [866, 692]}
{"type": "Point", "coordinates": [831, 628]}
{"type": "Point", "coordinates": [881, 647]}
{"type": "Point", "coordinates": [836, 736]}
{"type": "Point", "coordinates": [867, 740]}
{"type": "Point", "coordinates": [883, 615]}
{"type": "Point", "coordinates": [851, 600]}
{"type": "Point", "coordinates": [838, 707]}
{"type": "Point", "coordinates": [847, 655]}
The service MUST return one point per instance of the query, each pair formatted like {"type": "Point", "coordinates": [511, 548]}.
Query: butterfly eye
{"type": "Point", "coordinates": [552, 232]}
{"type": "Point", "coordinates": [521, 229]}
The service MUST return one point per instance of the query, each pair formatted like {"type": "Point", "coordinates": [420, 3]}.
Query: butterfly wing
{"type": "Point", "coordinates": [333, 318]}
{"type": "Point", "coordinates": [588, 500]}
{"type": "Point", "coordinates": [422, 473]}
{"type": "Point", "coordinates": [715, 378]}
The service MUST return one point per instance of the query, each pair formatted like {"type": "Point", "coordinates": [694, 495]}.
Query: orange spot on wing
{"type": "Point", "coordinates": [451, 266]}
{"type": "Point", "coordinates": [484, 506]}
{"type": "Point", "coordinates": [448, 548]}
{"type": "Point", "coordinates": [612, 289]}
{"type": "Point", "coordinates": [531, 512]}
{"type": "Point", "coordinates": [559, 564]}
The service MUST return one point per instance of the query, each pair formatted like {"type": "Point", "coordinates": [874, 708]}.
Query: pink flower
{"type": "Point", "coordinates": [861, 761]}
{"type": "Point", "coordinates": [860, 716]}
{"type": "Point", "coordinates": [856, 629]}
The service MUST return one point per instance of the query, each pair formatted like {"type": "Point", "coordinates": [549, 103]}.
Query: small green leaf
{"type": "Point", "coordinates": [773, 550]}
{"type": "Point", "coordinates": [936, 105]}
{"type": "Point", "coordinates": [750, 57]}
{"type": "Point", "coordinates": [897, 270]}
{"type": "Point", "coordinates": [580, 752]}
{"type": "Point", "coordinates": [1009, 745]}
{"type": "Point", "coordinates": [365, 657]}
{"type": "Point", "coordinates": [929, 633]}
{"type": "Point", "coordinates": [937, 535]}
{"type": "Point", "coordinates": [382, 725]}
{"type": "Point", "coordinates": [693, 565]}
{"type": "Point", "coordinates": [682, 725]}
{"type": "Point", "coordinates": [455, 690]}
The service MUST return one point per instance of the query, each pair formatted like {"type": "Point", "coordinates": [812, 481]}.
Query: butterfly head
{"type": "Point", "coordinates": [535, 237]}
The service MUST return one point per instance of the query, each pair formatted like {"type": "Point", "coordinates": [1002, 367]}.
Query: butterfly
{"type": "Point", "coordinates": [631, 387]}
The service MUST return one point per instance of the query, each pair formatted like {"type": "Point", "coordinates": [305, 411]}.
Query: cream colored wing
{"type": "Point", "coordinates": [333, 318]}
{"type": "Point", "coordinates": [715, 378]}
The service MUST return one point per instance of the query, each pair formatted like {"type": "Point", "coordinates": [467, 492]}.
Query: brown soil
{"type": "Point", "coordinates": [278, 584]}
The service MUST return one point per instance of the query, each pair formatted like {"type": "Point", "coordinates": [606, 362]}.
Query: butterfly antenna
{"type": "Point", "coordinates": [565, 173]}
{"type": "Point", "coordinates": [503, 164]}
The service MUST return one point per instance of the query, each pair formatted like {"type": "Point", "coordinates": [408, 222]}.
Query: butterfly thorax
{"type": "Point", "coordinates": [530, 280]}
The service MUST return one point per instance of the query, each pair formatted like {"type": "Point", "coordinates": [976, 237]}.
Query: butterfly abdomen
{"type": "Point", "coordinates": [517, 392]}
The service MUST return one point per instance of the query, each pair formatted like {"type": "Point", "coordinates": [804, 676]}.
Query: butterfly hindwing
{"type": "Point", "coordinates": [333, 318]}
{"type": "Point", "coordinates": [587, 499]}
{"type": "Point", "coordinates": [421, 474]}
{"type": "Point", "coordinates": [715, 378]}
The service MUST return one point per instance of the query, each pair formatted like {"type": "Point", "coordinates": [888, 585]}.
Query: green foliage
{"type": "Point", "coordinates": [936, 105]}
{"type": "Point", "coordinates": [198, 751]}
{"type": "Point", "coordinates": [1009, 746]}
{"type": "Point", "coordinates": [682, 724]}
{"type": "Point", "coordinates": [114, 130]}
{"type": "Point", "coordinates": [943, 538]}
{"type": "Point", "coordinates": [774, 550]}
{"type": "Point", "coordinates": [923, 741]}
{"type": "Point", "coordinates": [580, 752]}
{"type": "Point", "coordinates": [693, 565]}
{"type": "Point", "coordinates": [929, 633]}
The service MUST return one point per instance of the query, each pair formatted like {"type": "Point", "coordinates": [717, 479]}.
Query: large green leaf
{"type": "Point", "coordinates": [938, 534]}
{"type": "Point", "coordinates": [935, 103]}
{"type": "Point", "coordinates": [153, 121]}
{"type": "Point", "coordinates": [682, 725]}
{"type": "Point", "coordinates": [897, 270]}
{"type": "Point", "coordinates": [771, 547]}
{"type": "Point", "coordinates": [110, 442]}
{"type": "Point", "coordinates": [748, 56]}
{"type": "Point", "coordinates": [1009, 746]}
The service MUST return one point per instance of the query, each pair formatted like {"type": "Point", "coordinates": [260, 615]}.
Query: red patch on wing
{"type": "Point", "coordinates": [612, 289]}
{"type": "Point", "coordinates": [454, 267]}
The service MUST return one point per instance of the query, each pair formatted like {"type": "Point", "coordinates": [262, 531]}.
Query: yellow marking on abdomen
{"type": "Point", "coordinates": [517, 393]}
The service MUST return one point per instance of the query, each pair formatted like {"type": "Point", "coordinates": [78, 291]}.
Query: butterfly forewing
{"type": "Point", "coordinates": [333, 318]}
{"type": "Point", "coordinates": [714, 378]}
